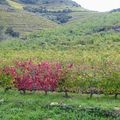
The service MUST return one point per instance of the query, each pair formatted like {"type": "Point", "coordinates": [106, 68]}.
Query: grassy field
{"type": "Point", "coordinates": [33, 106]}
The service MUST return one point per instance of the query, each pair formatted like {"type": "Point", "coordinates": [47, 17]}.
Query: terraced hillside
{"type": "Point", "coordinates": [24, 22]}
{"type": "Point", "coordinates": [85, 30]}
{"type": "Point", "coordinates": [55, 10]}
{"type": "Point", "coordinates": [13, 15]}
{"type": "Point", "coordinates": [98, 30]}
{"type": "Point", "coordinates": [18, 13]}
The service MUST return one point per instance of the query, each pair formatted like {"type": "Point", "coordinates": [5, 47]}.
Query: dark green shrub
{"type": "Point", "coordinates": [111, 84]}
{"type": "Point", "coordinates": [11, 32]}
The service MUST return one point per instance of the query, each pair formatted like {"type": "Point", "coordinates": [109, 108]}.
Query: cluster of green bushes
{"type": "Point", "coordinates": [5, 33]}
{"type": "Point", "coordinates": [11, 32]}
{"type": "Point", "coordinates": [42, 9]}
{"type": "Point", "coordinates": [60, 16]}
{"type": "Point", "coordinates": [1, 32]}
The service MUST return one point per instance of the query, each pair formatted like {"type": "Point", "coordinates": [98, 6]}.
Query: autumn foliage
{"type": "Point", "coordinates": [29, 76]}
{"type": "Point", "coordinates": [54, 76]}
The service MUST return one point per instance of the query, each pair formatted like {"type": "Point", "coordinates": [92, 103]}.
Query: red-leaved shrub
{"type": "Point", "coordinates": [29, 76]}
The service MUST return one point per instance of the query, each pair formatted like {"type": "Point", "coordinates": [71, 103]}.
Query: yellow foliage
{"type": "Point", "coordinates": [15, 5]}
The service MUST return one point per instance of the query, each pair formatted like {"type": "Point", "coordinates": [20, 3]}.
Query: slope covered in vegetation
{"type": "Point", "coordinates": [55, 10]}
{"type": "Point", "coordinates": [91, 31]}
{"type": "Point", "coordinates": [23, 22]}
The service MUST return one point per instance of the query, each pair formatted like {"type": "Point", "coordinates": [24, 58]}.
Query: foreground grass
{"type": "Point", "coordinates": [14, 106]}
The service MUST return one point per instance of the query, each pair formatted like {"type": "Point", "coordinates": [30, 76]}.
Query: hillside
{"type": "Point", "coordinates": [86, 30]}
{"type": "Point", "coordinates": [55, 10]}
{"type": "Point", "coordinates": [80, 33]}
{"type": "Point", "coordinates": [17, 14]}
{"type": "Point", "coordinates": [60, 11]}
{"type": "Point", "coordinates": [23, 22]}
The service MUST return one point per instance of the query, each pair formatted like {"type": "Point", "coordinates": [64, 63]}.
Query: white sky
{"type": "Point", "coordinates": [99, 5]}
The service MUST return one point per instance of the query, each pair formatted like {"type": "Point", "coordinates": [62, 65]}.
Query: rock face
{"type": "Point", "coordinates": [116, 10]}
{"type": "Point", "coordinates": [3, 2]}
{"type": "Point", "coordinates": [116, 28]}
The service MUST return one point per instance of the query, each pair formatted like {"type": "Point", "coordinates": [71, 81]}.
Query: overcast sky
{"type": "Point", "coordinates": [99, 5]}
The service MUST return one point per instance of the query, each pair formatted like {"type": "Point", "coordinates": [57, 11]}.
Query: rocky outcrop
{"type": "Point", "coordinates": [116, 10]}
{"type": "Point", "coordinates": [116, 28]}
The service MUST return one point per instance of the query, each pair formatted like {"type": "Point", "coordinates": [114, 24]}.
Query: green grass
{"type": "Point", "coordinates": [30, 106]}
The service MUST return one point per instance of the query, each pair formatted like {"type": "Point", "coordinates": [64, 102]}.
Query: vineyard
{"type": "Point", "coordinates": [61, 77]}
{"type": "Point", "coordinates": [58, 61]}
{"type": "Point", "coordinates": [52, 84]}
{"type": "Point", "coordinates": [59, 90]}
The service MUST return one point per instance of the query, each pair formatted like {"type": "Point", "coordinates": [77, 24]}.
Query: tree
{"type": "Point", "coordinates": [67, 82]}
{"type": "Point", "coordinates": [6, 78]}
{"type": "Point", "coordinates": [30, 76]}
{"type": "Point", "coordinates": [111, 84]}
{"type": "Point", "coordinates": [110, 76]}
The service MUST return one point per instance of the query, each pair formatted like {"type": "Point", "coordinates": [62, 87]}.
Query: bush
{"type": "Point", "coordinates": [30, 76]}
{"type": "Point", "coordinates": [89, 85]}
{"type": "Point", "coordinates": [6, 79]}
{"type": "Point", "coordinates": [11, 32]}
{"type": "Point", "coordinates": [68, 79]}
{"type": "Point", "coordinates": [89, 80]}
{"type": "Point", "coordinates": [63, 18]}
{"type": "Point", "coordinates": [1, 32]}
{"type": "Point", "coordinates": [111, 84]}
